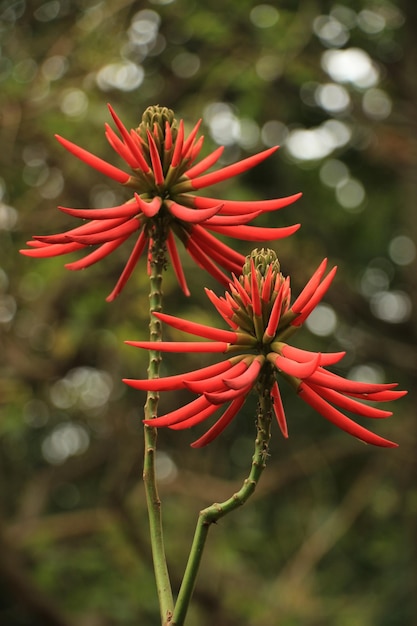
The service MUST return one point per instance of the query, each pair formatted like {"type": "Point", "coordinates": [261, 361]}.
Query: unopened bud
{"type": "Point", "coordinates": [262, 259]}
{"type": "Point", "coordinates": [156, 117]}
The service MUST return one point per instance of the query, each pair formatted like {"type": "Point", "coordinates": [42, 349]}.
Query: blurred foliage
{"type": "Point", "coordinates": [330, 537]}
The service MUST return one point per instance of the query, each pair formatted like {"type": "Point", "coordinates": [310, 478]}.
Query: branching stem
{"type": "Point", "coordinates": [213, 513]}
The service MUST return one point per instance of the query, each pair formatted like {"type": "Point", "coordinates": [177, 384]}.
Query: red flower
{"type": "Point", "coordinates": [164, 176]}
{"type": "Point", "coordinates": [257, 308]}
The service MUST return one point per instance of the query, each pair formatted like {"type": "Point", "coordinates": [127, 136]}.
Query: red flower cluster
{"type": "Point", "coordinates": [257, 308]}
{"type": "Point", "coordinates": [164, 176]}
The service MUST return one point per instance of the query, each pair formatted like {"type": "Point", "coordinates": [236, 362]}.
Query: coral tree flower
{"type": "Point", "coordinates": [164, 176]}
{"type": "Point", "coordinates": [258, 311]}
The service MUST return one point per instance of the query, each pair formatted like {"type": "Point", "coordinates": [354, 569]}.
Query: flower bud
{"type": "Point", "coordinates": [156, 117]}
{"type": "Point", "coordinates": [262, 259]}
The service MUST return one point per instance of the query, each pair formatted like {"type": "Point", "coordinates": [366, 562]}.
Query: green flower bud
{"type": "Point", "coordinates": [262, 259]}
{"type": "Point", "coordinates": [156, 117]}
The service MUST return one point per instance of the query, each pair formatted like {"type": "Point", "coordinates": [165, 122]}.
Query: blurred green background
{"type": "Point", "coordinates": [330, 535]}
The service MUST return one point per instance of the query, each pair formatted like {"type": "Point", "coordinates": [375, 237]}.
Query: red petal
{"type": "Point", "coordinates": [310, 288]}
{"type": "Point", "coordinates": [380, 396]}
{"type": "Point", "coordinates": [315, 298]}
{"type": "Point", "coordinates": [44, 251]}
{"type": "Point", "coordinates": [199, 417]}
{"type": "Point", "coordinates": [348, 404]}
{"type": "Point", "coordinates": [193, 408]}
{"type": "Point", "coordinates": [237, 288]}
{"type": "Point", "coordinates": [231, 220]}
{"type": "Point", "coordinates": [274, 317]}
{"type": "Point", "coordinates": [124, 229]}
{"type": "Point", "coordinates": [293, 368]}
{"type": "Point", "coordinates": [221, 423]}
{"type": "Point", "coordinates": [279, 410]}
{"type": "Point", "coordinates": [303, 356]}
{"type": "Point", "coordinates": [267, 284]}
{"type": "Point", "coordinates": [249, 377]}
{"type": "Point", "coordinates": [239, 207]}
{"type": "Point", "coordinates": [196, 149]}
{"type": "Point", "coordinates": [215, 254]}
{"type": "Point", "coordinates": [91, 228]}
{"type": "Point", "coordinates": [95, 256]}
{"type": "Point", "coordinates": [129, 267]}
{"type": "Point", "coordinates": [132, 145]}
{"type": "Point", "coordinates": [198, 329]}
{"type": "Point", "coordinates": [176, 263]}
{"type": "Point", "coordinates": [255, 233]}
{"type": "Point", "coordinates": [141, 146]}
{"type": "Point", "coordinates": [190, 140]}
{"type": "Point", "coordinates": [33, 243]}
{"type": "Point", "coordinates": [204, 261]}
{"type": "Point", "coordinates": [176, 157]}
{"type": "Point", "coordinates": [119, 147]}
{"type": "Point", "coordinates": [286, 292]}
{"type": "Point", "coordinates": [216, 383]}
{"type": "Point", "coordinates": [223, 307]}
{"type": "Point", "coordinates": [231, 300]}
{"type": "Point", "coordinates": [231, 170]}
{"type": "Point", "coordinates": [327, 379]}
{"type": "Point", "coordinates": [181, 346]}
{"type": "Point", "coordinates": [256, 298]}
{"type": "Point", "coordinates": [211, 242]}
{"type": "Point", "coordinates": [341, 421]}
{"type": "Point", "coordinates": [226, 396]}
{"type": "Point", "coordinates": [192, 216]}
{"type": "Point", "coordinates": [156, 160]}
{"type": "Point", "coordinates": [168, 137]}
{"type": "Point", "coordinates": [149, 209]}
{"type": "Point", "coordinates": [205, 164]}
{"type": "Point", "coordinates": [170, 383]}
{"type": "Point", "coordinates": [128, 209]}
{"type": "Point", "coordinates": [94, 161]}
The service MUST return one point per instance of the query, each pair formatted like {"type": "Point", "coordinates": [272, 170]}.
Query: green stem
{"type": "Point", "coordinates": [213, 513]}
{"type": "Point", "coordinates": [163, 584]}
